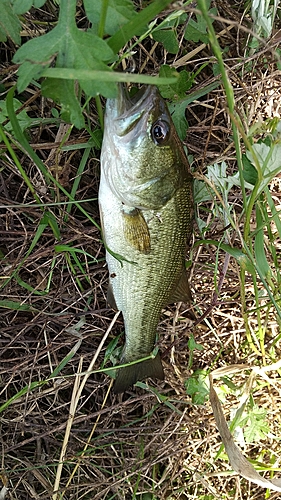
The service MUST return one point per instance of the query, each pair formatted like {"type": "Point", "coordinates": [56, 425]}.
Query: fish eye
{"type": "Point", "coordinates": [160, 132]}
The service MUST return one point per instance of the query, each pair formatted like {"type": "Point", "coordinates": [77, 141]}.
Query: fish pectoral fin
{"type": "Point", "coordinates": [182, 292]}
{"type": "Point", "coordinates": [110, 298]}
{"type": "Point", "coordinates": [129, 375]}
{"type": "Point", "coordinates": [136, 230]}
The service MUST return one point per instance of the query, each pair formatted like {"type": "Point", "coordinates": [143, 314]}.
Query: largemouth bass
{"type": "Point", "coordinates": [145, 199]}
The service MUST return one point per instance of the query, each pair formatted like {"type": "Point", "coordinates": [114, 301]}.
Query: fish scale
{"type": "Point", "coordinates": [148, 279]}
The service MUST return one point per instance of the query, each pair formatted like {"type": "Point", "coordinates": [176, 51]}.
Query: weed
{"type": "Point", "coordinates": [63, 434]}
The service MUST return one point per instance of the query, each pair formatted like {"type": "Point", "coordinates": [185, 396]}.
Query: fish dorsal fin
{"type": "Point", "coordinates": [181, 292]}
{"type": "Point", "coordinates": [136, 230]}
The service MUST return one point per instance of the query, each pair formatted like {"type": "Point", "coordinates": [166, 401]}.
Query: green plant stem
{"type": "Point", "coordinates": [107, 76]}
{"type": "Point", "coordinates": [248, 204]}
{"type": "Point", "coordinates": [102, 18]}
{"type": "Point", "coordinates": [228, 90]}
{"type": "Point", "coordinates": [67, 14]}
{"type": "Point", "coordinates": [100, 111]}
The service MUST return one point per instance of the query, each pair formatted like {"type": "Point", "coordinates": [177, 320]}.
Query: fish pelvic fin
{"type": "Point", "coordinates": [129, 375]}
{"type": "Point", "coordinates": [136, 230]}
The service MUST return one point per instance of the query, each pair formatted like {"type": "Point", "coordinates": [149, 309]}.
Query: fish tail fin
{"type": "Point", "coordinates": [129, 375]}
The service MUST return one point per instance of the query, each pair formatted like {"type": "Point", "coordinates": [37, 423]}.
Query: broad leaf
{"type": "Point", "coordinates": [180, 122]}
{"type": "Point", "coordinates": [9, 23]}
{"type": "Point", "coordinates": [63, 92]}
{"type": "Point", "coordinates": [217, 175]}
{"type": "Point", "coordinates": [268, 156]}
{"type": "Point", "coordinates": [175, 91]}
{"type": "Point", "coordinates": [72, 48]}
{"type": "Point", "coordinates": [118, 13]}
{"type": "Point", "coordinates": [201, 192]}
{"type": "Point", "coordinates": [178, 89]}
{"type": "Point", "coordinates": [197, 386]}
{"type": "Point", "coordinates": [23, 6]}
{"type": "Point", "coordinates": [196, 31]}
{"type": "Point", "coordinates": [168, 38]}
{"type": "Point", "coordinates": [249, 172]}
{"type": "Point", "coordinates": [256, 425]}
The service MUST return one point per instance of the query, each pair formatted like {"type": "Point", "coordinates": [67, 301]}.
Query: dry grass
{"type": "Point", "coordinates": [133, 445]}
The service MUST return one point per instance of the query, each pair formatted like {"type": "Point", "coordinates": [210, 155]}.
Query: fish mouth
{"type": "Point", "coordinates": [125, 102]}
{"type": "Point", "coordinates": [136, 112]}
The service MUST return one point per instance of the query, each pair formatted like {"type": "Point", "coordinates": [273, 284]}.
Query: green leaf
{"type": "Point", "coordinates": [72, 48]}
{"type": "Point", "coordinates": [73, 250]}
{"type": "Point", "coordinates": [16, 128]}
{"type": "Point", "coordinates": [110, 350]}
{"type": "Point", "coordinates": [242, 259]}
{"type": "Point", "coordinates": [24, 120]}
{"type": "Point", "coordinates": [201, 192]}
{"type": "Point", "coordinates": [179, 119]}
{"type": "Point", "coordinates": [197, 386]}
{"type": "Point", "coordinates": [33, 156]}
{"type": "Point", "coordinates": [173, 20]}
{"type": "Point", "coordinates": [168, 38]}
{"type": "Point", "coordinates": [178, 89]}
{"type": "Point", "coordinates": [9, 23]}
{"type": "Point", "coordinates": [175, 91]}
{"type": "Point", "coordinates": [274, 211]}
{"type": "Point", "coordinates": [39, 383]}
{"type": "Point", "coordinates": [192, 344]}
{"type": "Point", "coordinates": [63, 92]}
{"type": "Point", "coordinates": [96, 138]}
{"type": "Point", "coordinates": [128, 30]}
{"type": "Point", "coordinates": [50, 219]}
{"type": "Point", "coordinates": [160, 397]}
{"type": "Point", "coordinates": [23, 6]}
{"type": "Point", "coordinates": [269, 159]}
{"type": "Point", "coordinates": [260, 244]}
{"type": "Point", "coordinates": [178, 109]}
{"type": "Point", "coordinates": [29, 287]}
{"type": "Point", "coordinates": [278, 58]}
{"type": "Point", "coordinates": [217, 175]}
{"type": "Point", "coordinates": [249, 172]}
{"type": "Point", "coordinates": [17, 306]}
{"type": "Point", "coordinates": [196, 31]}
{"type": "Point", "coordinates": [256, 427]}
{"type": "Point", "coordinates": [119, 12]}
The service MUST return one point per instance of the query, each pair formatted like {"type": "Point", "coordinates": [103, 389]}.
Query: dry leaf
{"type": "Point", "coordinates": [237, 460]}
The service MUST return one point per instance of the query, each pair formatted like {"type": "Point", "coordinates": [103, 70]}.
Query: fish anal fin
{"type": "Point", "coordinates": [110, 298]}
{"type": "Point", "coordinates": [181, 292]}
{"type": "Point", "coordinates": [136, 230]}
{"type": "Point", "coordinates": [129, 375]}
